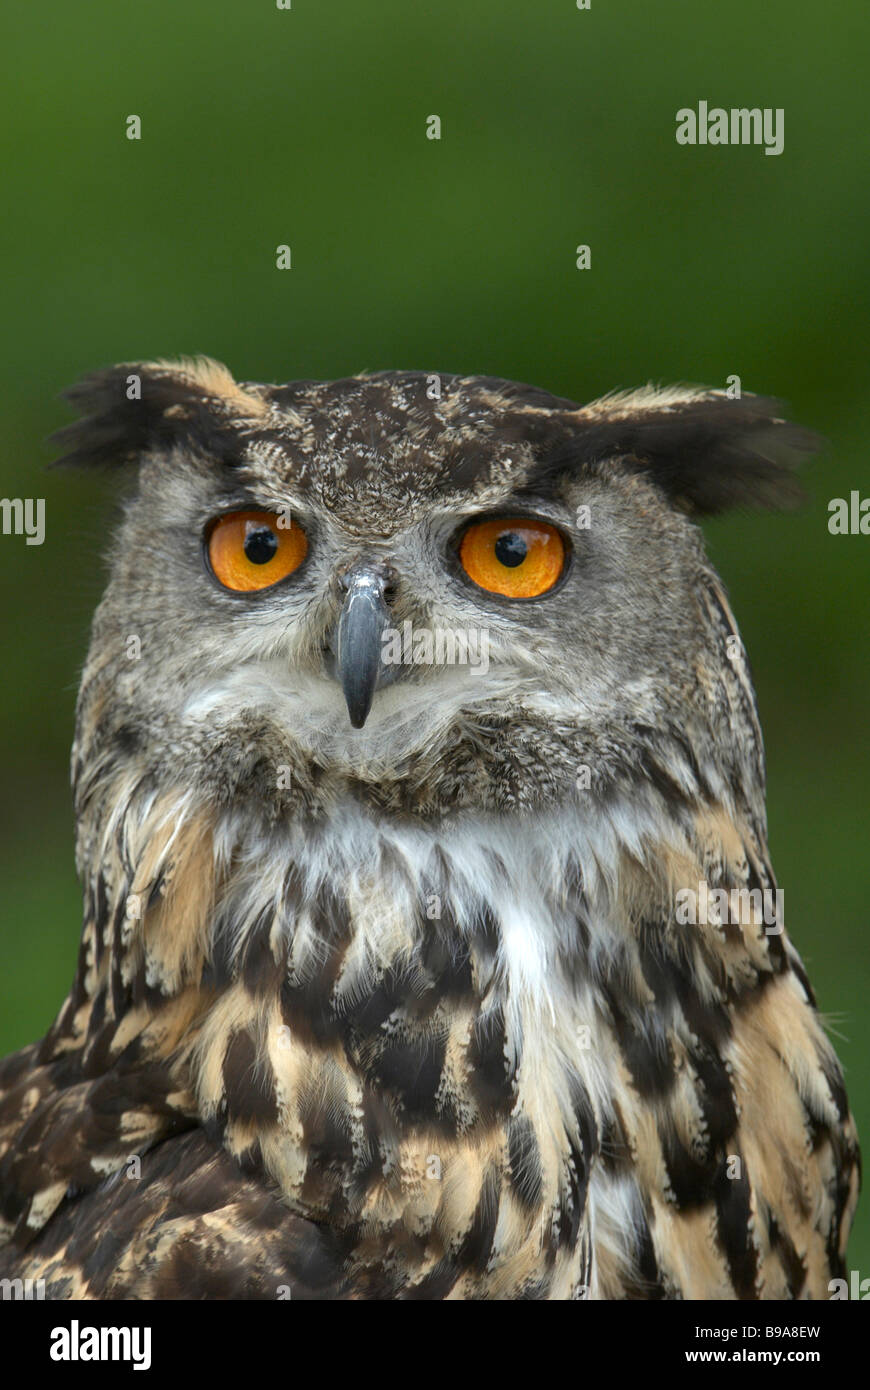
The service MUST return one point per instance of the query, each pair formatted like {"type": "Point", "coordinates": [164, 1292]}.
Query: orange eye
{"type": "Point", "coordinates": [252, 550]}
{"type": "Point", "coordinates": [519, 558]}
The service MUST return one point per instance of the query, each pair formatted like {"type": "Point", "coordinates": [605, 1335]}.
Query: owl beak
{"type": "Point", "coordinates": [358, 638]}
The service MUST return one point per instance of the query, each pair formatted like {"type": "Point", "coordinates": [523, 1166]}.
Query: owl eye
{"type": "Point", "coordinates": [252, 550]}
{"type": "Point", "coordinates": [520, 558]}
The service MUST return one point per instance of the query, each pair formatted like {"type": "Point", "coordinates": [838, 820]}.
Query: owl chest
{"type": "Point", "coordinates": [433, 1087]}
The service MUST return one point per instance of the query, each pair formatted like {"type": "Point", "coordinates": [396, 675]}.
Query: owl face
{"type": "Point", "coordinates": [464, 596]}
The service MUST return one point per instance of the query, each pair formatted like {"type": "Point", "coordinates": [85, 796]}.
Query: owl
{"type": "Point", "coordinates": [431, 945]}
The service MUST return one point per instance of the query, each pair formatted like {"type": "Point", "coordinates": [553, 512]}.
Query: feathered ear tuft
{"type": "Point", "coordinates": [705, 451]}
{"type": "Point", "coordinates": [140, 407]}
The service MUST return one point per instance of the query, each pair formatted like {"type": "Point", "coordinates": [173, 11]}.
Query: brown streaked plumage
{"type": "Point", "coordinates": [407, 1010]}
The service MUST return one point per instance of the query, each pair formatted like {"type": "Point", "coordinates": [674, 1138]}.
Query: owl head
{"type": "Point", "coordinates": [430, 593]}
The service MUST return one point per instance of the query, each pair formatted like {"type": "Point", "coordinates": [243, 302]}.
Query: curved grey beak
{"type": "Point", "coordinates": [364, 616]}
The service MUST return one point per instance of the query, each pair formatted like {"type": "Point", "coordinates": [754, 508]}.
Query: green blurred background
{"type": "Point", "coordinates": [308, 127]}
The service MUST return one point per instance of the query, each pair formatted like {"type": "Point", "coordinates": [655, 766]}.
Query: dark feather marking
{"type": "Point", "coordinates": [261, 973]}
{"type": "Point", "coordinates": [733, 1216]}
{"type": "Point", "coordinates": [476, 1247]}
{"type": "Point", "coordinates": [366, 1014]}
{"type": "Point", "coordinates": [673, 795]}
{"type": "Point", "coordinates": [308, 1004]}
{"type": "Point", "coordinates": [793, 1266]}
{"type": "Point", "coordinates": [798, 970]}
{"type": "Point", "coordinates": [716, 1096]}
{"type": "Point", "coordinates": [644, 1044]}
{"type": "Point", "coordinates": [328, 1140]}
{"type": "Point", "coordinates": [651, 1285]}
{"type": "Point", "coordinates": [671, 975]}
{"type": "Point", "coordinates": [525, 1175]}
{"type": "Point", "coordinates": [491, 1080]}
{"type": "Point", "coordinates": [572, 1198]}
{"type": "Point", "coordinates": [249, 1085]}
{"type": "Point", "coordinates": [834, 1078]}
{"type": "Point", "coordinates": [692, 1179]}
{"type": "Point", "coordinates": [410, 1067]}
{"type": "Point", "coordinates": [474, 1251]}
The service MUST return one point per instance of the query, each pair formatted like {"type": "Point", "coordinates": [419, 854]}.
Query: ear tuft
{"type": "Point", "coordinates": [704, 450]}
{"type": "Point", "coordinates": [137, 408]}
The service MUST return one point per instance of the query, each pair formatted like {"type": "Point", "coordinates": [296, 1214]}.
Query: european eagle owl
{"type": "Point", "coordinates": [419, 792]}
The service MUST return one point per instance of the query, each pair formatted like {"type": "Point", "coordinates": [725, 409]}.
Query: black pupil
{"type": "Point", "coordinates": [260, 545]}
{"type": "Point", "coordinates": [510, 549]}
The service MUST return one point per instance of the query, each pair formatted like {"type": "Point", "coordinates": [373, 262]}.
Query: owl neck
{"type": "Point", "coordinates": [401, 1024]}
